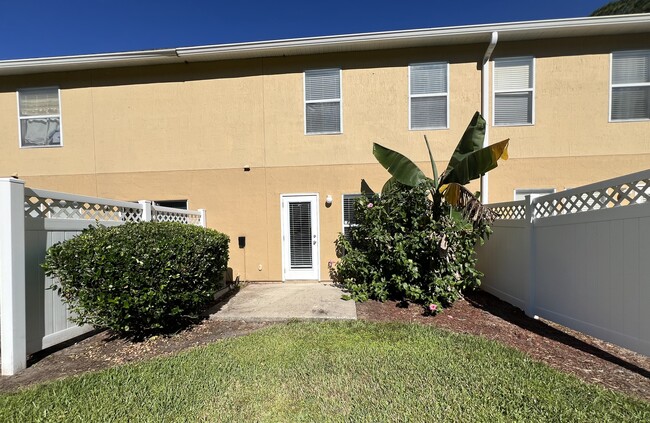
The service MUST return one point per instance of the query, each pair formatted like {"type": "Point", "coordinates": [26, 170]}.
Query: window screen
{"type": "Point", "coordinates": [39, 117]}
{"type": "Point", "coordinates": [323, 101]}
{"type": "Point", "coordinates": [630, 96]}
{"type": "Point", "coordinates": [513, 91]}
{"type": "Point", "coordinates": [428, 95]}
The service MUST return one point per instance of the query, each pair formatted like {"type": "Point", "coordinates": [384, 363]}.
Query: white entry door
{"type": "Point", "coordinates": [300, 257]}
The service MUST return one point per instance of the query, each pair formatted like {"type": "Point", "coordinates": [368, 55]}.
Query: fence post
{"type": "Point", "coordinates": [532, 265]}
{"type": "Point", "coordinates": [146, 210]}
{"type": "Point", "coordinates": [203, 222]}
{"type": "Point", "coordinates": [13, 336]}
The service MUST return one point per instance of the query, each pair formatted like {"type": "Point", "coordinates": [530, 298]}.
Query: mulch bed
{"type": "Point", "coordinates": [479, 313]}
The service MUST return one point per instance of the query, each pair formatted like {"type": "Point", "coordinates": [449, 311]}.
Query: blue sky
{"type": "Point", "coordinates": [31, 28]}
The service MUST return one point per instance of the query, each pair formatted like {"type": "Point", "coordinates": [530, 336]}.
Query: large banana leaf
{"type": "Point", "coordinates": [472, 165]}
{"type": "Point", "coordinates": [472, 138]}
{"type": "Point", "coordinates": [390, 185]}
{"type": "Point", "coordinates": [470, 159]}
{"type": "Point", "coordinates": [401, 167]}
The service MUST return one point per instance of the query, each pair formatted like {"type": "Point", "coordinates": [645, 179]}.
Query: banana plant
{"type": "Point", "coordinates": [469, 161]}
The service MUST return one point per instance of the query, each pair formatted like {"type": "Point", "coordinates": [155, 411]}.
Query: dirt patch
{"type": "Point", "coordinates": [482, 314]}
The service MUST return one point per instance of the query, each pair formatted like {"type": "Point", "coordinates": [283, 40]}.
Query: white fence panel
{"type": "Point", "coordinates": [32, 316]}
{"type": "Point", "coordinates": [592, 275]}
{"type": "Point", "coordinates": [504, 260]}
{"type": "Point", "coordinates": [580, 258]}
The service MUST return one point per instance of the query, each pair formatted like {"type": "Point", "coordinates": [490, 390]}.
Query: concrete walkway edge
{"type": "Point", "coordinates": [287, 301]}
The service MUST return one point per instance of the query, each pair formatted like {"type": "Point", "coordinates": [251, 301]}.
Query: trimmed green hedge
{"type": "Point", "coordinates": [138, 279]}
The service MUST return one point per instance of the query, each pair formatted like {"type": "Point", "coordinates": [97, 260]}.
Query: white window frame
{"type": "Point", "coordinates": [329, 100]}
{"type": "Point", "coordinates": [343, 224]}
{"type": "Point", "coordinates": [21, 118]}
{"type": "Point", "coordinates": [445, 94]}
{"type": "Point", "coordinates": [531, 90]}
{"type": "Point", "coordinates": [612, 86]}
{"type": "Point", "coordinates": [536, 192]}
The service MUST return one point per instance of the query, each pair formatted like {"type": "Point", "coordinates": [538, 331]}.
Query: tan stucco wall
{"type": "Point", "coordinates": [187, 131]}
{"type": "Point", "coordinates": [248, 203]}
{"type": "Point", "coordinates": [239, 203]}
{"type": "Point", "coordinates": [572, 102]}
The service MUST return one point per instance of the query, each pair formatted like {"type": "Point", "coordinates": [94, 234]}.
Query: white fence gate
{"type": "Point", "coordinates": [33, 317]}
{"type": "Point", "coordinates": [579, 257]}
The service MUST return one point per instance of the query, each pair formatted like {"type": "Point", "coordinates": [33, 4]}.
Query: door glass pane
{"type": "Point", "coordinates": [300, 235]}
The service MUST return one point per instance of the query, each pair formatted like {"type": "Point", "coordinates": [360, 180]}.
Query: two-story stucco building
{"type": "Point", "coordinates": [273, 137]}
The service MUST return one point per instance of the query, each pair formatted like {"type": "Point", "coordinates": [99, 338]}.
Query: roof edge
{"type": "Point", "coordinates": [438, 32]}
{"type": "Point", "coordinates": [509, 31]}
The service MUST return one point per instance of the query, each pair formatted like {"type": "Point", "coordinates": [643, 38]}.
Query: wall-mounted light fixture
{"type": "Point", "coordinates": [328, 200]}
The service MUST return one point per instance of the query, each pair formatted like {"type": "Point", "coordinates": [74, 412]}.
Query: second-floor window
{"type": "Point", "coordinates": [323, 101]}
{"type": "Point", "coordinates": [428, 95]}
{"type": "Point", "coordinates": [39, 117]}
{"type": "Point", "coordinates": [630, 85]}
{"type": "Point", "coordinates": [514, 91]}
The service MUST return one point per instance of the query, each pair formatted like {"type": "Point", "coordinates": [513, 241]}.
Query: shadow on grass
{"type": "Point", "coordinates": [188, 324]}
{"type": "Point", "coordinates": [511, 314]}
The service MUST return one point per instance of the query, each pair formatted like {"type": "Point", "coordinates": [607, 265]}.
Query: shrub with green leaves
{"type": "Point", "coordinates": [138, 279]}
{"type": "Point", "coordinates": [416, 242]}
{"type": "Point", "coordinates": [406, 248]}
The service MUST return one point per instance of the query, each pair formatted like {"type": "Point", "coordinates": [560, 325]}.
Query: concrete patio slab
{"type": "Point", "coordinates": [285, 301]}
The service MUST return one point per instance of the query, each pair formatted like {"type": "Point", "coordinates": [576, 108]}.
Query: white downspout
{"type": "Point", "coordinates": [485, 107]}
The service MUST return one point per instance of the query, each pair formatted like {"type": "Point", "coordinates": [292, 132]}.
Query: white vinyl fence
{"type": "Point", "coordinates": [32, 317]}
{"type": "Point", "coordinates": [579, 257]}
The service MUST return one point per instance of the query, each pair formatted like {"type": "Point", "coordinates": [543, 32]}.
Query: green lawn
{"type": "Point", "coordinates": [351, 371]}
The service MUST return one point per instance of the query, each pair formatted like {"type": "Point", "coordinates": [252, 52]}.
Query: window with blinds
{"type": "Point", "coordinates": [323, 101]}
{"type": "Point", "coordinates": [349, 219]}
{"type": "Point", "coordinates": [513, 91]}
{"type": "Point", "coordinates": [300, 235]}
{"type": "Point", "coordinates": [39, 117]}
{"type": "Point", "coordinates": [428, 95]}
{"type": "Point", "coordinates": [630, 85]}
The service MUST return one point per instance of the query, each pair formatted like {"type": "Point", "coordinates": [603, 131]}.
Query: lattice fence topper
{"type": "Point", "coordinates": [622, 194]}
{"type": "Point", "coordinates": [510, 211]}
{"type": "Point", "coordinates": [170, 216]}
{"type": "Point", "coordinates": [51, 207]}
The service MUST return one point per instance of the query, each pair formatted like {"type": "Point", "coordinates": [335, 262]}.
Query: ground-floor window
{"type": "Point", "coordinates": [174, 204]}
{"type": "Point", "coordinates": [349, 219]}
{"type": "Point", "coordinates": [521, 193]}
